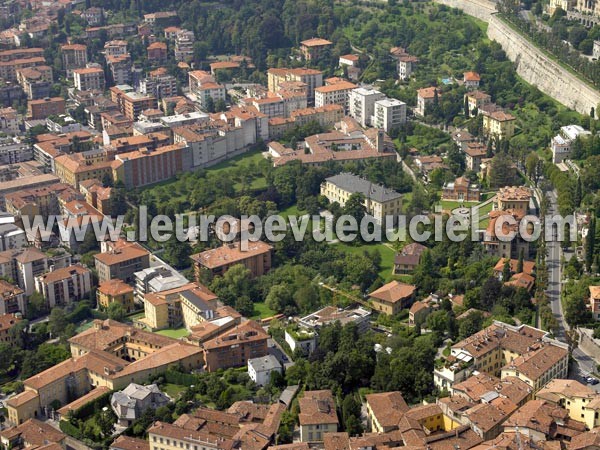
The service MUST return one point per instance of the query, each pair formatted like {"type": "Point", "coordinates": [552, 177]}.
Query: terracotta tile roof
{"type": "Point", "coordinates": [418, 306]}
{"type": "Point", "coordinates": [84, 400]}
{"type": "Point", "coordinates": [316, 42]}
{"type": "Point", "coordinates": [114, 287]}
{"type": "Point", "coordinates": [341, 86]}
{"type": "Point", "coordinates": [424, 411]}
{"type": "Point", "coordinates": [537, 415]}
{"type": "Point", "coordinates": [514, 193]}
{"type": "Point", "coordinates": [29, 254]}
{"type": "Point", "coordinates": [521, 280]}
{"type": "Point", "coordinates": [595, 292]}
{"type": "Point", "coordinates": [248, 331]}
{"type": "Point", "coordinates": [537, 362]}
{"type": "Point", "coordinates": [9, 290]}
{"type": "Point", "coordinates": [190, 435]}
{"type": "Point", "coordinates": [336, 441]}
{"type": "Point", "coordinates": [20, 399]}
{"type": "Point", "coordinates": [486, 416]}
{"type": "Point", "coordinates": [122, 253]}
{"type": "Point", "coordinates": [34, 433]}
{"type": "Point", "coordinates": [394, 291]}
{"type": "Point", "coordinates": [230, 254]}
{"type": "Point", "coordinates": [387, 407]}
{"type": "Point", "coordinates": [64, 273]}
{"type": "Point", "coordinates": [528, 266]}
{"type": "Point", "coordinates": [129, 443]}
{"type": "Point", "coordinates": [79, 47]}
{"type": "Point", "coordinates": [317, 407]}
{"type": "Point", "coordinates": [429, 92]}
{"type": "Point", "coordinates": [7, 321]}
{"type": "Point", "coordinates": [472, 76]}
{"type": "Point", "coordinates": [584, 441]}
{"type": "Point", "coordinates": [88, 71]}
{"type": "Point", "coordinates": [350, 57]}
{"type": "Point", "coordinates": [478, 95]}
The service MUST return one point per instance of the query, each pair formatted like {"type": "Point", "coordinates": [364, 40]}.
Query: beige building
{"type": "Point", "coordinates": [384, 411]}
{"type": "Point", "coordinates": [115, 291]}
{"type": "Point", "coordinates": [311, 77]}
{"type": "Point", "coordinates": [64, 286]}
{"type": "Point", "coordinates": [380, 202]}
{"type": "Point", "coordinates": [317, 415]}
{"type": "Point", "coordinates": [499, 124]}
{"type": "Point", "coordinates": [334, 93]}
{"type": "Point", "coordinates": [74, 56]}
{"type": "Point", "coordinates": [581, 401]}
{"type": "Point", "coordinates": [121, 260]}
{"type": "Point", "coordinates": [392, 297]}
{"type": "Point", "coordinates": [12, 298]}
{"type": "Point", "coordinates": [513, 198]}
{"type": "Point", "coordinates": [256, 258]}
{"type": "Point", "coordinates": [425, 98]}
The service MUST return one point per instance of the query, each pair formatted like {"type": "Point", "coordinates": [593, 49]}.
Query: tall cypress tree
{"type": "Point", "coordinates": [590, 242]}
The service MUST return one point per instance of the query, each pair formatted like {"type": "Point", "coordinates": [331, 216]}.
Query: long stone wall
{"type": "Point", "coordinates": [531, 63]}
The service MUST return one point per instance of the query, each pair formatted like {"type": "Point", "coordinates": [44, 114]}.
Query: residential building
{"type": "Point", "coordinates": [159, 84]}
{"type": "Point", "coordinates": [88, 79]}
{"type": "Point", "coordinates": [380, 202]}
{"type": "Point", "coordinates": [23, 266]}
{"type": "Point", "coordinates": [32, 434]}
{"type": "Point", "coordinates": [581, 401]}
{"type": "Point", "coordinates": [115, 291]}
{"type": "Point", "coordinates": [115, 48]}
{"type": "Point", "coordinates": [513, 198]}
{"type": "Point", "coordinates": [256, 257]}
{"type": "Point", "coordinates": [388, 113]}
{"type": "Point", "coordinates": [315, 48]}
{"type": "Point", "coordinates": [461, 190]}
{"type": "Point", "coordinates": [311, 77]}
{"type": "Point", "coordinates": [405, 63]}
{"type": "Point", "coordinates": [74, 56]}
{"type": "Point", "coordinates": [75, 168]}
{"type": "Point", "coordinates": [156, 279]}
{"type": "Point", "coordinates": [334, 94]}
{"type": "Point", "coordinates": [130, 403]}
{"type": "Point", "coordinates": [562, 143]}
{"type": "Point", "coordinates": [9, 123]}
{"type": "Point", "coordinates": [12, 299]}
{"type": "Point", "coordinates": [331, 314]}
{"type": "Point", "coordinates": [184, 45]}
{"type": "Point", "coordinates": [157, 53]}
{"type": "Point", "coordinates": [260, 369]}
{"type": "Point", "coordinates": [121, 260]}
{"type": "Point", "coordinates": [235, 347]}
{"type": "Point", "coordinates": [418, 312]}
{"type": "Point", "coordinates": [349, 60]}
{"type": "Point", "coordinates": [41, 109]}
{"type": "Point", "coordinates": [204, 86]}
{"type": "Point", "coordinates": [317, 415]}
{"type": "Point", "coordinates": [407, 260]}
{"type": "Point", "coordinates": [476, 100]}
{"type": "Point", "coordinates": [11, 237]}
{"type": "Point", "coordinates": [93, 16]}
{"type": "Point", "coordinates": [499, 241]}
{"type": "Point", "coordinates": [145, 167]}
{"type": "Point", "coordinates": [392, 297]}
{"type": "Point", "coordinates": [522, 352]}
{"type": "Point", "coordinates": [384, 411]}
{"type": "Point", "coordinates": [528, 267]}
{"type": "Point", "coordinates": [426, 97]}
{"type": "Point", "coordinates": [471, 80]}
{"type": "Point", "coordinates": [475, 152]}
{"type": "Point", "coordinates": [61, 287]}
{"type": "Point", "coordinates": [36, 81]}
{"type": "Point", "coordinates": [120, 68]}
{"type": "Point", "coordinates": [129, 443]}
{"type": "Point", "coordinates": [499, 124]}
{"type": "Point", "coordinates": [130, 103]}
{"type": "Point", "coordinates": [301, 338]}
{"type": "Point", "coordinates": [7, 323]}
{"type": "Point", "coordinates": [362, 104]}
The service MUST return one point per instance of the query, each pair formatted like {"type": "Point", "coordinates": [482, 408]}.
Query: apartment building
{"type": "Point", "coordinates": [130, 103]}
{"type": "Point", "coordinates": [392, 297]}
{"type": "Point", "coordinates": [74, 56]}
{"type": "Point", "coordinates": [75, 168]}
{"type": "Point", "coordinates": [475, 152]}
{"type": "Point", "coordinates": [317, 416]}
{"type": "Point", "coordinates": [115, 48]}
{"type": "Point", "coordinates": [384, 411]}
{"type": "Point", "coordinates": [157, 279]}
{"type": "Point", "coordinates": [513, 198]}
{"type": "Point", "coordinates": [406, 64]}
{"type": "Point", "coordinates": [562, 143]}
{"type": "Point", "coordinates": [379, 201]}
{"type": "Point", "coordinates": [476, 100]}
{"type": "Point", "coordinates": [336, 93]}
{"type": "Point", "coordinates": [581, 401]}
{"type": "Point", "coordinates": [157, 52]}
{"type": "Point", "coordinates": [144, 167]}
{"type": "Point", "coordinates": [159, 84]}
{"type": "Point", "coordinates": [61, 287]}
{"type": "Point", "coordinates": [499, 124]}
{"type": "Point", "coordinates": [315, 48]}
{"type": "Point", "coordinates": [235, 347]}
{"type": "Point", "coordinates": [425, 98]}
{"type": "Point", "coordinates": [362, 104]}
{"type": "Point", "coordinates": [522, 352]}
{"type": "Point", "coordinates": [11, 236]}
{"type": "Point", "coordinates": [256, 258]}
{"type": "Point", "coordinates": [35, 81]}
{"type": "Point", "coordinates": [311, 77]}
{"type": "Point", "coordinates": [115, 291]}
{"type": "Point", "coordinates": [41, 109]}
{"type": "Point", "coordinates": [389, 113]}
{"type": "Point", "coordinates": [12, 299]}
{"type": "Point", "coordinates": [184, 45]}
{"type": "Point", "coordinates": [88, 79]}
{"type": "Point", "coordinates": [121, 260]}
{"type": "Point", "coordinates": [120, 68]}
{"type": "Point", "coordinates": [23, 266]}
{"type": "Point", "coordinates": [203, 85]}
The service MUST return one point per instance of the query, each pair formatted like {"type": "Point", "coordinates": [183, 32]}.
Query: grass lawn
{"type": "Point", "coordinates": [262, 311]}
{"type": "Point", "coordinates": [173, 390]}
{"type": "Point", "coordinates": [174, 333]}
{"type": "Point", "coordinates": [242, 160]}
{"type": "Point", "coordinates": [291, 211]}
{"type": "Point", "coordinates": [486, 209]}
{"type": "Point", "coordinates": [387, 256]}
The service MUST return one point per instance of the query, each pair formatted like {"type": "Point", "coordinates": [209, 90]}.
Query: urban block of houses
{"type": "Point", "coordinates": [61, 287]}
{"type": "Point", "coordinates": [392, 297]}
{"type": "Point", "coordinates": [407, 260]}
{"type": "Point", "coordinates": [120, 260]}
{"type": "Point", "coordinates": [317, 416]}
{"type": "Point", "coordinates": [109, 354]}
{"type": "Point", "coordinates": [499, 124]}
{"type": "Point", "coordinates": [256, 258]}
{"type": "Point", "coordinates": [115, 291]}
{"type": "Point", "coordinates": [384, 204]}
{"type": "Point", "coordinates": [504, 350]}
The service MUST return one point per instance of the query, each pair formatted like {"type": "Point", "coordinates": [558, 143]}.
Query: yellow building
{"type": "Point", "coordinates": [115, 291]}
{"type": "Point", "coordinates": [499, 124]}
{"type": "Point", "coordinates": [513, 198]}
{"type": "Point", "coordinates": [379, 201]}
{"type": "Point", "coordinates": [385, 410]}
{"type": "Point", "coordinates": [393, 297]}
{"type": "Point", "coordinates": [581, 401]}
{"type": "Point", "coordinates": [317, 415]}
{"type": "Point", "coordinates": [429, 416]}
{"type": "Point", "coordinates": [74, 168]}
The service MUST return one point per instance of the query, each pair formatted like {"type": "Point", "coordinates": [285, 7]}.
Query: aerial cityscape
{"type": "Point", "coordinates": [299, 224]}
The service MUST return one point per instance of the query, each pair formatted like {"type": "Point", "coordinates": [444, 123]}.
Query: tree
{"type": "Point", "coordinates": [116, 311]}
{"type": "Point", "coordinates": [355, 207]}
{"type": "Point", "coordinates": [590, 243]}
{"type": "Point", "coordinates": [520, 261]}
{"type": "Point", "coordinates": [501, 171]}
{"type": "Point", "coordinates": [57, 322]}
{"type": "Point", "coordinates": [210, 105]}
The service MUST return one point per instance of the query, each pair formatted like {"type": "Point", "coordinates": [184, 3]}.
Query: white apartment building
{"type": "Point", "coordinates": [389, 113]}
{"type": "Point", "coordinates": [115, 48]}
{"type": "Point", "coordinates": [11, 237]}
{"type": "Point", "coordinates": [159, 86]}
{"type": "Point", "coordinates": [184, 45]}
{"type": "Point", "coordinates": [334, 94]}
{"type": "Point", "coordinates": [362, 104]}
{"type": "Point", "coordinates": [64, 286]}
{"type": "Point", "coordinates": [88, 79]}
{"type": "Point", "coordinates": [9, 120]}
{"type": "Point", "coordinates": [260, 369]}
